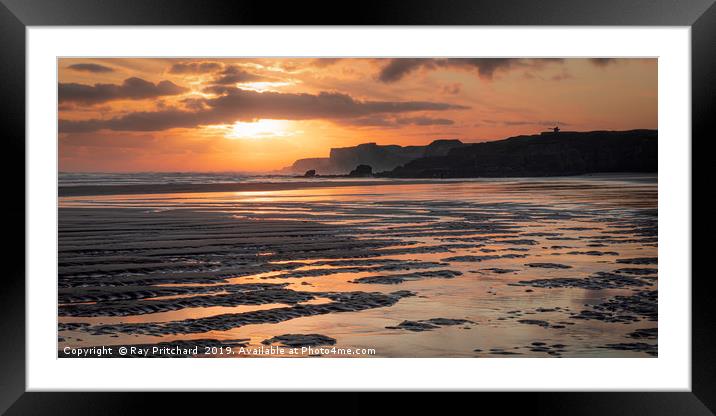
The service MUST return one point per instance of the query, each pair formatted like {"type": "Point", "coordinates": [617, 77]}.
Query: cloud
{"type": "Point", "coordinates": [392, 122]}
{"type": "Point", "coordinates": [563, 76]}
{"type": "Point", "coordinates": [425, 121]}
{"type": "Point", "coordinates": [452, 89]}
{"type": "Point", "coordinates": [324, 62]}
{"type": "Point", "coordinates": [131, 89]}
{"type": "Point", "coordinates": [236, 75]}
{"type": "Point", "coordinates": [94, 68]}
{"type": "Point", "coordinates": [399, 67]}
{"type": "Point", "coordinates": [139, 121]}
{"type": "Point", "coordinates": [602, 62]}
{"type": "Point", "coordinates": [486, 68]}
{"type": "Point", "coordinates": [372, 121]}
{"type": "Point", "coordinates": [246, 105]}
{"type": "Point", "coordinates": [195, 67]}
{"type": "Point", "coordinates": [117, 141]}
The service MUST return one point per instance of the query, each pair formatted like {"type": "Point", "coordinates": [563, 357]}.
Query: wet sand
{"type": "Point", "coordinates": [284, 184]}
{"type": "Point", "coordinates": [561, 267]}
{"type": "Point", "coordinates": [87, 190]}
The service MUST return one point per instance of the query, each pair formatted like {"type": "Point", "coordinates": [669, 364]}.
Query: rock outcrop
{"type": "Point", "coordinates": [381, 157]}
{"type": "Point", "coordinates": [548, 154]}
{"type": "Point", "coordinates": [361, 171]}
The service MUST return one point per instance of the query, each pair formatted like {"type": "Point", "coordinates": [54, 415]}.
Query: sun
{"type": "Point", "coordinates": [260, 129]}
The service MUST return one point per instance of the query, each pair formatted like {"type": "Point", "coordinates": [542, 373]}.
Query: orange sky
{"type": "Point", "coordinates": [261, 114]}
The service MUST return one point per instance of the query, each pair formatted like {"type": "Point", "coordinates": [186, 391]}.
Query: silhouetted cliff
{"type": "Point", "coordinates": [382, 158]}
{"type": "Point", "coordinates": [548, 154]}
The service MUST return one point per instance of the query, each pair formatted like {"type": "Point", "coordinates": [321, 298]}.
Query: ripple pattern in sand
{"type": "Point", "coordinates": [562, 263]}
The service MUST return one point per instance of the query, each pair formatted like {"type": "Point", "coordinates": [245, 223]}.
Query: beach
{"type": "Point", "coordinates": [530, 267]}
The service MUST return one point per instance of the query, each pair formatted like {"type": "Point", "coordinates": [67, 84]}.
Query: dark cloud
{"type": "Point", "coordinates": [139, 121]}
{"type": "Point", "coordinates": [195, 67]}
{"type": "Point", "coordinates": [399, 67]}
{"type": "Point", "coordinates": [217, 89]}
{"type": "Point", "coordinates": [84, 109]}
{"type": "Point", "coordinates": [236, 75]}
{"type": "Point", "coordinates": [486, 68]}
{"type": "Point", "coordinates": [372, 121]}
{"type": "Point", "coordinates": [94, 68]}
{"type": "Point", "coordinates": [131, 89]}
{"type": "Point", "coordinates": [123, 141]}
{"type": "Point", "coordinates": [246, 105]}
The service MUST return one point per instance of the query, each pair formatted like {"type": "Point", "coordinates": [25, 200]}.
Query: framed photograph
{"type": "Point", "coordinates": [481, 197]}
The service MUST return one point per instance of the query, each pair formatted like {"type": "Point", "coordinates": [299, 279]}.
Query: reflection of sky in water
{"type": "Point", "coordinates": [478, 295]}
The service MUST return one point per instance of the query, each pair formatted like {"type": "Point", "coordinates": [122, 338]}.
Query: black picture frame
{"type": "Point", "coordinates": [16, 15]}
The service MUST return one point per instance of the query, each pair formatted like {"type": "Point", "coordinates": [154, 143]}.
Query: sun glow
{"type": "Point", "coordinates": [263, 86]}
{"type": "Point", "coordinates": [259, 129]}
